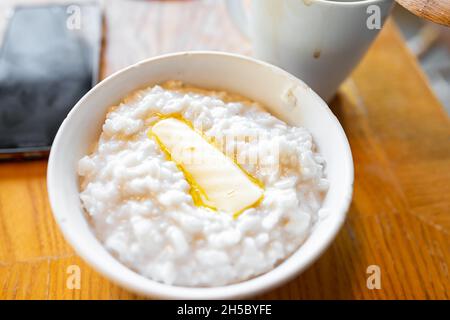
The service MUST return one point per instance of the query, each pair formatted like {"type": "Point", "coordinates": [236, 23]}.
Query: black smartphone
{"type": "Point", "coordinates": [49, 59]}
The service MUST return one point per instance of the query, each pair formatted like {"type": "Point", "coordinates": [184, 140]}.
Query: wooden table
{"type": "Point", "coordinates": [400, 137]}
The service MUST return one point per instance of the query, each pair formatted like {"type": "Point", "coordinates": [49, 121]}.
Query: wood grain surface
{"type": "Point", "coordinates": [437, 11]}
{"type": "Point", "coordinates": [400, 138]}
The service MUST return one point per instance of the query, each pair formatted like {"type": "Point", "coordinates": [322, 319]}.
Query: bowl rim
{"type": "Point", "coordinates": [152, 288]}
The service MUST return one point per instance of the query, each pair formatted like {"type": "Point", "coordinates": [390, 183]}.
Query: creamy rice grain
{"type": "Point", "coordinates": [141, 208]}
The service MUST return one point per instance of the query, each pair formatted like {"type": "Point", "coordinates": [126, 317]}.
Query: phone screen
{"type": "Point", "coordinates": [48, 61]}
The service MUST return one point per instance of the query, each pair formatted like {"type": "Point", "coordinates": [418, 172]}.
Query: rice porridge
{"type": "Point", "coordinates": [237, 213]}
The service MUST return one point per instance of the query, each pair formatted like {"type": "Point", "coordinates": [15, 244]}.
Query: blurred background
{"type": "Point", "coordinates": [429, 42]}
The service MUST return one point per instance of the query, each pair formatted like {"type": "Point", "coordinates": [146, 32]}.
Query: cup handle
{"type": "Point", "coordinates": [238, 16]}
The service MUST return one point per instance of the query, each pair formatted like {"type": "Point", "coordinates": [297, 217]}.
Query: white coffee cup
{"type": "Point", "coordinates": [318, 41]}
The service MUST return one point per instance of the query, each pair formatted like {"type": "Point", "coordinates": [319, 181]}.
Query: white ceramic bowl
{"type": "Point", "coordinates": [251, 78]}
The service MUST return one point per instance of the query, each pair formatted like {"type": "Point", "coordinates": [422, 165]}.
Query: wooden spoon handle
{"type": "Point", "coordinates": [434, 10]}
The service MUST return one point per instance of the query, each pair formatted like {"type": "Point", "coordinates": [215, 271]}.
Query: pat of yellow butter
{"type": "Point", "coordinates": [224, 185]}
